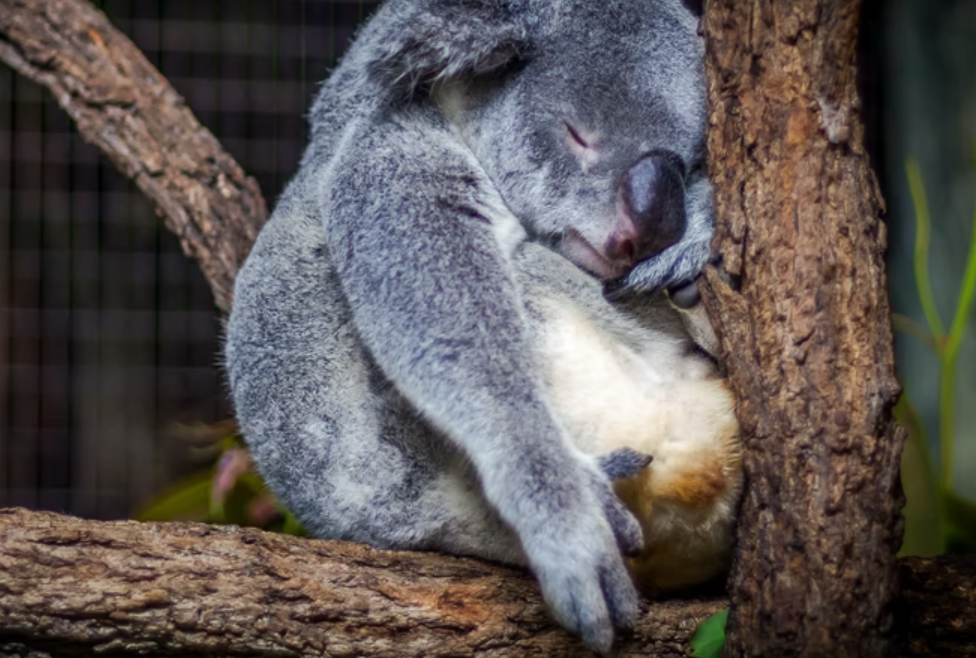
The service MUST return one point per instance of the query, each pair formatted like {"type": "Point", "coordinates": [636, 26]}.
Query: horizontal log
{"type": "Point", "coordinates": [74, 587]}
{"type": "Point", "coordinates": [181, 589]}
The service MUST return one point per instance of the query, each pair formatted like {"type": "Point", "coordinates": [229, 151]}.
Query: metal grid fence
{"type": "Point", "coordinates": [108, 334]}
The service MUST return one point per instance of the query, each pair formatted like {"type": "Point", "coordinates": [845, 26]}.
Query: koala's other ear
{"type": "Point", "coordinates": [446, 40]}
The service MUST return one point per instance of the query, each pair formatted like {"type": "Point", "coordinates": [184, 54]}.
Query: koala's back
{"type": "Point", "coordinates": [333, 438]}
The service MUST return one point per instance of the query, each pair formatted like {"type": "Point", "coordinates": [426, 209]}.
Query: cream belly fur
{"type": "Point", "coordinates": [611, 395]}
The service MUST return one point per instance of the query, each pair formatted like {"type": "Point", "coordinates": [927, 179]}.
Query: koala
{"type": "Point", "coordinates": [380, 353]}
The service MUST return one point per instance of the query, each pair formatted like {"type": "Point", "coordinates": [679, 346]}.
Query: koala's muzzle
{"type": "Point", "coordinates": [653, 197]}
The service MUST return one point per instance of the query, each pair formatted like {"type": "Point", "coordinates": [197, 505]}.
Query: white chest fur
{"type": "Point", "coordinates": [613, 388]}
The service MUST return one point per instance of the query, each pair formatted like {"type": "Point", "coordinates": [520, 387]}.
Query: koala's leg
{"type": "Point", "coordinates": [332, 438]}
{"type": "Point", "coordinates": [369, 487]}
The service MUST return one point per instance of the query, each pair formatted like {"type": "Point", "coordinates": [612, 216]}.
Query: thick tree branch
{"type": "Point", "coordinates": [806, 327]}
{"type": "Point", "coordinates": [74, 587]}
{"type": "Point", "coordinates": [126, 108]}
{"type": "Point", "coordinates": [70, 586]}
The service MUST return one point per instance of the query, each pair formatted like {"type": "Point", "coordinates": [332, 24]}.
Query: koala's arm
{"type": "Point", "coordinates": [418, 235]}
{"type": "Point", "coordinates": [680, 264]}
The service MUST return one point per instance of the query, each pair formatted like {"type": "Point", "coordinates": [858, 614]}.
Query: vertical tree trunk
{"type": "Point", "coordinates": [805, 323]}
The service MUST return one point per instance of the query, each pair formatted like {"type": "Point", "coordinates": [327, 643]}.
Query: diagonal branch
{"type": "Point", "coordinates": [126, 108]}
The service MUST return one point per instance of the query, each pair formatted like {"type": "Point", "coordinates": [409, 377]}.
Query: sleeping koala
{"type": "Point", "coordinates": [380, 354]}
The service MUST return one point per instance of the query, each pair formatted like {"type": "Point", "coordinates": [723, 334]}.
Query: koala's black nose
{"type": "Point", "coordinates": [653, 194]}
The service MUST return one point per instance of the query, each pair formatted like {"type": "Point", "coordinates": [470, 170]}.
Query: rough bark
{"type": "Point", "coordinates": [805, 324]}
{"type": "Point", "coordinates": [936, 611]}
{"type": "Point", "coordinates": [74, 587]}
{"type": "Point", "coordinates": [126, 108]}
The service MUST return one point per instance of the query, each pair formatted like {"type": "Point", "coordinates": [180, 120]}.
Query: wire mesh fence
{"type": "Point", "coordinates": [108, 334]}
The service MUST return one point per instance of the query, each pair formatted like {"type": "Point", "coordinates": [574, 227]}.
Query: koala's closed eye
{"type": "Point", "coordinates": [575, 134]}
{"type": "Point", "coordinates": [582, 144]}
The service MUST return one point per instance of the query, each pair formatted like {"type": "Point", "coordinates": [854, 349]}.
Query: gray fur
{"type": "Point", "coordinates": [380, 351]}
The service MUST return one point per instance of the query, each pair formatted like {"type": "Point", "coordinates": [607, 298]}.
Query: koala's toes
{"type": "Point", "coordinates": [592, 619]}
{"type": "Point", "coordinates": [686, 295]}
{"type": "Point", "coordinates": [622, 598]}
{"type": "Point", "coordinates": [623, 463]}
{"type": "Point", "coordinates": [626, 529]}
{"type": "Point", "coordinates": [576, 597]}
{"type": "Point", "coordinates": [596, 629]}
{"type": "Point", "coordinates": [617, 607]}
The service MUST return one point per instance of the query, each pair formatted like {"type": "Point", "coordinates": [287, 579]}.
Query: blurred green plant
{"type": "Point", "coordinates": [228, 493]}
{"type": "Point", "coordinates": [709, 638]}
{"type": "Point", "coordinates": [937, 519]}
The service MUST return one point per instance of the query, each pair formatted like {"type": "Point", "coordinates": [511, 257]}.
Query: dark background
{"type": "Point", "coordinates": [108, 335]}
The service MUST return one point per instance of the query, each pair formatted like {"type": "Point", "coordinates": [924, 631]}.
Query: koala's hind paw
{"type": "Point", "coordinates": [624, 463]}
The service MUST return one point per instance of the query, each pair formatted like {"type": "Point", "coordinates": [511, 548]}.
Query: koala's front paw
{"type": "Point", "coordinates": [674, 267]}
{"type": "Point", "coordinates": [576, 555]}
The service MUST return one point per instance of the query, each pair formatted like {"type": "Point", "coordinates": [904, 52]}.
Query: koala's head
{"type": "Point", "coordinates": [588, 116]}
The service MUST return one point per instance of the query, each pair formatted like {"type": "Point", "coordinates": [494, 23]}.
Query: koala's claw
{"type": "Point", "coordinates": [624, 463]}
{"type": "Point", "coordinates": [579, 564]}
{"type": "Point", "coordinates": [685, 295]}
{"type": "Point", "coordinates": [626, 529]}
{"type": "Point", "coordinates": [725, 275]}
{"type": "Point", "coordinates": [593, 604]}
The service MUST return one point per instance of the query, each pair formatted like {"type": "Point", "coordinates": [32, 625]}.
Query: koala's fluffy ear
{"type": "Point", "coordinates": [445, 39]}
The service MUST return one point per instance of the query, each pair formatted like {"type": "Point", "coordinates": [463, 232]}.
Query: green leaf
{"type": "Point", "coordinates": [923, 228]}
{"type": "Point", "coordinates": [188, 500]}
{"type": "Point", "coordinates": [709, 638]}
{"type": "Point", "coordinates": [292, 526]}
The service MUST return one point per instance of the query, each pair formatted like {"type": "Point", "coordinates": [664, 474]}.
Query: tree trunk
{"type": "Point", "coordinates": [804, 321]}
